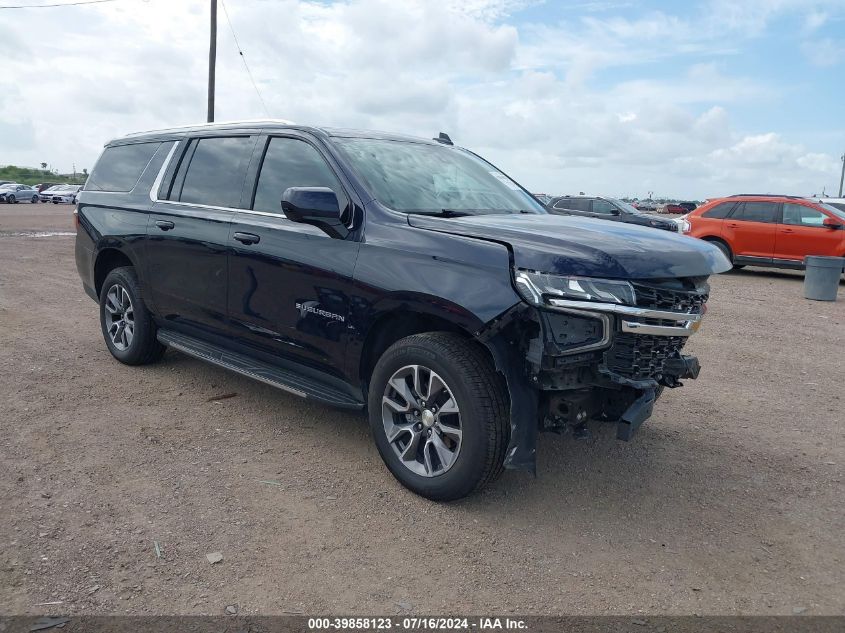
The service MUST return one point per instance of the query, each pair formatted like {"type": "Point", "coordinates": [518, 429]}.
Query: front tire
{"type": "Point", "coordinates": [11, 199]}
{"type": "Point", "coordinates": [439, 415]}
{"type": "Point", "coordinates": [127, 325]}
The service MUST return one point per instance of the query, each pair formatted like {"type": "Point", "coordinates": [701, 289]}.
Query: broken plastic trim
{"type": "Point", "coordinates": [510, 361]}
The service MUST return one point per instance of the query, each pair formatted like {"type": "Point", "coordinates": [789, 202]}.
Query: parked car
{"type": "Point", "coordinates": [608, 209]}
{"type": "Point", "coordinates": [766, 230]}
{"type": "Point", "coordinates": [67, 194]}
{"type": "Point", "coordinates": [645, 205]}
{"type": "Point", "coordinates": [687, 206]}
{"type": "Point", "coordinates": [13, 193]}
{"type": "Point", "coordinates": [47, 194]}
{"type": "Point", "coordinates": [837, 203]}
{"type": "Point", "coordinates": [44, 185]}
{"type": "Point", "coordinates": [671, 208]}
{"type": "Point", "coordinates": [402, 276]}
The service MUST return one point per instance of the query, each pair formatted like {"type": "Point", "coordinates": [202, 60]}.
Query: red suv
{"type": "Point", "coordinates": [777, 231]}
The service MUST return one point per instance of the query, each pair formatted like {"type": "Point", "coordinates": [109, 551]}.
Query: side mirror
{"type": "Point", "coordinates": [832, 224]}
{"type": "Point", "coordinates": [314, 205]}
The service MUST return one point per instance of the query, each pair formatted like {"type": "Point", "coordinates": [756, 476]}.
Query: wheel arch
{"type": "Point", "coordinates": [107, 260]}
{"type": "Point", "coordinates": [395, 324]}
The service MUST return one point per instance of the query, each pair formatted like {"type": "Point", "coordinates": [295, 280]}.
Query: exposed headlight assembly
{"type": "Point", "coordinates": [537, 288]}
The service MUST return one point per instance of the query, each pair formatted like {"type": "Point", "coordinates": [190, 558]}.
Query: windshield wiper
{"type": "Point", "coordinates": [443, 213]}
{"type": "Point", "coordinates": [459, 213]}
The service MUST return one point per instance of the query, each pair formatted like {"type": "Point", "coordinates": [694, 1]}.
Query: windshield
{"type": "Point", "coordinates": [836, 208]}
{"type": "Point", "coordinates": [624, 205]}
{"type": "Point", "coordinates": [421, 178]}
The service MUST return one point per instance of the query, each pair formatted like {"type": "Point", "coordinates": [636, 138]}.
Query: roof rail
{"type": "Point", "coordinates": [212, 125]}
{"type": "Point", "coordinates": [766, 195]}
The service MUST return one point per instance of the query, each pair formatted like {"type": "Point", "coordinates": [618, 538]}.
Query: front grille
{"type": "Point", "coordinates": [643, 356]}
{"type": "Point", "coordinates": [672, 296]}
{"type": "Point", "coordinates": [677, 299]}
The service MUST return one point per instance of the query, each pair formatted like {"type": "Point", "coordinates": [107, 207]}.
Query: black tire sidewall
{"type": "Point", "coordinates": [144, 334]}
{"type": "Point", "coordinates": [726, 251]}
{"type": "Point", "coordinates": [463, 477]}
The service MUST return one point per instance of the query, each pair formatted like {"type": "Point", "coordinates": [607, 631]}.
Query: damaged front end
{"type": "Point", "coordinates": [583, 349]}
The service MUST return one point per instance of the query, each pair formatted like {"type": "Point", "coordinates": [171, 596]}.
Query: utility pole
{"type": "Point", "coordinates": [842, 177]}
{"type": "Point", "coordinates": [212, 60]}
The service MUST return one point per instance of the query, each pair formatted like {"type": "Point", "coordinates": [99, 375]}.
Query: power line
{"type": "Point", "coordinates": [243, 57]}
{"type": "Point", "coordinates": [50, 6]}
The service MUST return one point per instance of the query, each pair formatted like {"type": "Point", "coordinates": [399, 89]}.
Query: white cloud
{"type": "Point", "coordinates": [522, 96]}
{"type": "Point", "coordinates": [813, 21]}
{"type": "Point", "coordinates": [824, 52]}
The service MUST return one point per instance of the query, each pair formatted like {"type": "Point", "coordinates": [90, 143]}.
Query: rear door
{"type": "Point", "coordinates": [751, 228]}
{"type": "Point", "coordinates": [802, 232]}
{"type": "Point", "coordinates": [289, 282]}
{"type": "Point", "coordinates": [188, 231]}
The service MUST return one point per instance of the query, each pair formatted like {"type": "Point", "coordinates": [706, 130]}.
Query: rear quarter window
{"type": "Point", "coordinates": [120, 167]}
{"type": "Point", "coordinates": [579, 204]}
{"type": "Point", "coordinates": [720, 211]}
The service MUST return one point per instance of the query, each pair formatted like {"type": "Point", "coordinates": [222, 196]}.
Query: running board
{"type": "Point", "coordinates": [285, 379]}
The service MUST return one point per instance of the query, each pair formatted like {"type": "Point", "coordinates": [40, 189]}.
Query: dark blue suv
{"type": "Point", "coordinates": [406, 277]}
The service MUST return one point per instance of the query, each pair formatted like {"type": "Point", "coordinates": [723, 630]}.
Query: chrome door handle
{"type": "Point", "coordinates": [164, 225]}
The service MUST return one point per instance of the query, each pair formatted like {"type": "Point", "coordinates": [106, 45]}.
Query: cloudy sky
{"type": "Point", "coordinates": [685, 99]}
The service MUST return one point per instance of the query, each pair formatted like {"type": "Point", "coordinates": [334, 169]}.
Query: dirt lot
{"type": "Point", "coordinates": [729, 500]}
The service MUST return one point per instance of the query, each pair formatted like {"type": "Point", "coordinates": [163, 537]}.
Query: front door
{"type": "Point", "coordinates": [750, 230]}
{"type": "Point", "coordinates": [802, 232]}
{"type": "Point", "coordinates": [188, 232]}
{"type": "Point", "coordinates": [289, 282]}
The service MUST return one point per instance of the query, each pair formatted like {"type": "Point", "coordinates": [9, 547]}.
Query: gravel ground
{"type": "Point", "coordinates": [729, 500]}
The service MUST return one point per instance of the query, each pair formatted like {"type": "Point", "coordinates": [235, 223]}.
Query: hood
{"type": "Point", "coordinates": [569, 245]}
{"type": "Point", "coordinates": [651, 217]}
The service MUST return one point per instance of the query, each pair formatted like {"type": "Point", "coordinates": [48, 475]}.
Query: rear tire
{"type": "Point", "coordinates": [128, 327]}
{"type": "Point", "coordinates": [33, 200]}
{"type": "Point", "coordinates": [726, 251]}
{"type": "Point", "coordinates": [447, 419]}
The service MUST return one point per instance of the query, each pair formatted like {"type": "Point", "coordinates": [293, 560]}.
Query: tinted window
{"type": "Point", "coordinates": [573, 204]}
{"type": "Point", "coordinates": [720, 211]}
{"type": "Point", "coordinates": [603, 206]}
{"type": "Point", "coordinates": [756, 212]}
{"type": "Point", "coordinates": [120, 167]}
{"type": "Point", "coordinates": [288, 163]}
{"type": "Point", "coordinates": [215, 174]}
{"type": "Point", "coordinates": [799, 214]}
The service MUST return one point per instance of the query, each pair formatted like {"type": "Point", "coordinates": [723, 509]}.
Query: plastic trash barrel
{"type": "Point", "coordinates": [821, 280]}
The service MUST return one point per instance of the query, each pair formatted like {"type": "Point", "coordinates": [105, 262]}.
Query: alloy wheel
{"type": "Point", "coordinates": [422, 420]}
{"type": "Point", "coordinates": [120, 317]}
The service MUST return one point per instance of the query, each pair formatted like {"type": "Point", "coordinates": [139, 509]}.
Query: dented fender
{"type": "Point", "coordinates": [501, 338]}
